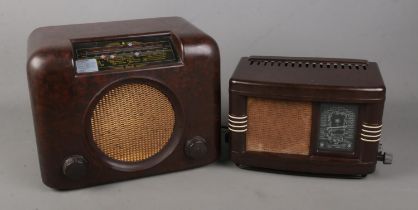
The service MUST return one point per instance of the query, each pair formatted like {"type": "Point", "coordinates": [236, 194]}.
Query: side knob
{"type": "Point", "coordinates": [75, 167]}
{"type": "Point", "coordinates": [385, 157]}
{"type": "Point", "coordinates": [196, 148]}
{"type": "Point", "coordinates": [388, 158]}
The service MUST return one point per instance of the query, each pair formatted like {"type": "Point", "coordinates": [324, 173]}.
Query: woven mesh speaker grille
{"type": "Point", "coordinates": [132, 122]}
{"type": "Point", "coordinates": [278, 126]}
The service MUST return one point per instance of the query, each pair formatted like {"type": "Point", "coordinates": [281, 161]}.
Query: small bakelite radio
{"type": "Point", "coordinates": [314, 115]}
{"type": "Point", "coordinates": [118, 100]}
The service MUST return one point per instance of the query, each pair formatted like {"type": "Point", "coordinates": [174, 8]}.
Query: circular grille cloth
{"type": "Point", "coordinates": [132, 122]}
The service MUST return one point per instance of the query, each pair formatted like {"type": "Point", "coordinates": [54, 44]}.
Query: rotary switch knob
{"type": "Point", "coordinates": [75, 167]}
{"type": "Point", "coordinates": [196, 148]}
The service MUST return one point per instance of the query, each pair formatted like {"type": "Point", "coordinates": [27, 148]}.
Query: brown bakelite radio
{"type": "Point", "coordinates": [118, 100]}
{"type": "Point", "coordinates": [314, 115]}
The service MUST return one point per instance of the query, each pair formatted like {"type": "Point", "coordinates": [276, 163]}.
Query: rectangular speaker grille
{"type": "Point", "coordinates": [278, 126]}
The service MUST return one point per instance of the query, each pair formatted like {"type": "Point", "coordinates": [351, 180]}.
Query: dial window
{"type": "Point", "coordinates": [337, 127]}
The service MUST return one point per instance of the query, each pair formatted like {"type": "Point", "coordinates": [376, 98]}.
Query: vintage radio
{"type": "Point", "coordinates": [119, 100]}
{"type": "Point", "coordinates": [314, 115]}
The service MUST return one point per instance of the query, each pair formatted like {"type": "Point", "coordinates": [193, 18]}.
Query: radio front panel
{"type": "Point", "coordinates": [299, 127]}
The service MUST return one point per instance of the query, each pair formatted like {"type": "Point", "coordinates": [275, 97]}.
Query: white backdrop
{"type": "Point", "coordinates": [385, 31]}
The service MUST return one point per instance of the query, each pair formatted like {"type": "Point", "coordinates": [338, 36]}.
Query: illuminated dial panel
{"type": "Point", "coordinates": [124, 54]}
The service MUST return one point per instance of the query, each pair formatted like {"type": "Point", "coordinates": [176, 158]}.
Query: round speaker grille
{"type": "Point", "coordinates": [132, 122]}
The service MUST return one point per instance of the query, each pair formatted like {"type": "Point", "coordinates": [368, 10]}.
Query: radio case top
{"type": "Point", "coordinates": [309, 78]}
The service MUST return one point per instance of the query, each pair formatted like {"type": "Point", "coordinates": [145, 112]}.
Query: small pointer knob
{"type": "Point", "coordinates": [75, 167]}
{"type": "Point", "coordinates": [196, 148]}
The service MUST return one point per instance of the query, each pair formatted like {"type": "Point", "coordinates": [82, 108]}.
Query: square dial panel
{"type": "Point", "coordinates": [337, 127]}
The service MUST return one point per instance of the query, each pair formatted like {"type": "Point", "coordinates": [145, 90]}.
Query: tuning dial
{"type": "Point", "coordinates": [75, 167]}
{"type": "Point", "coordinates": [196, 148]}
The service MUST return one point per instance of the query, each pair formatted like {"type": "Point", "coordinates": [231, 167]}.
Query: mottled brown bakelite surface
{"type": "Point", "coordinates": [63, 101]}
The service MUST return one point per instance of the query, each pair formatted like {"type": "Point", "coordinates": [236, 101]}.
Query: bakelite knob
{"type": "Point", "coordinates": [75, 167]}
{"type": "Point", "coordinates": [388, 158]}
{"type": "Point", "coordinates": [385, 157]}
{"type": "Point", "coordinates": [196, 148]}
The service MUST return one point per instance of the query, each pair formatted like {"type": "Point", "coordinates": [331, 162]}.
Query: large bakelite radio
{"type": "Point", "coordinates": [315, 115]}
{"type": "Point", "coordinates": [119, 100]}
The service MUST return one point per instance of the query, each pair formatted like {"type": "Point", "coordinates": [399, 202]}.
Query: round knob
{"type": "Point", "coordinates": [196, 148]}
{"type": "Point", "coordinates": [75, 167]}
